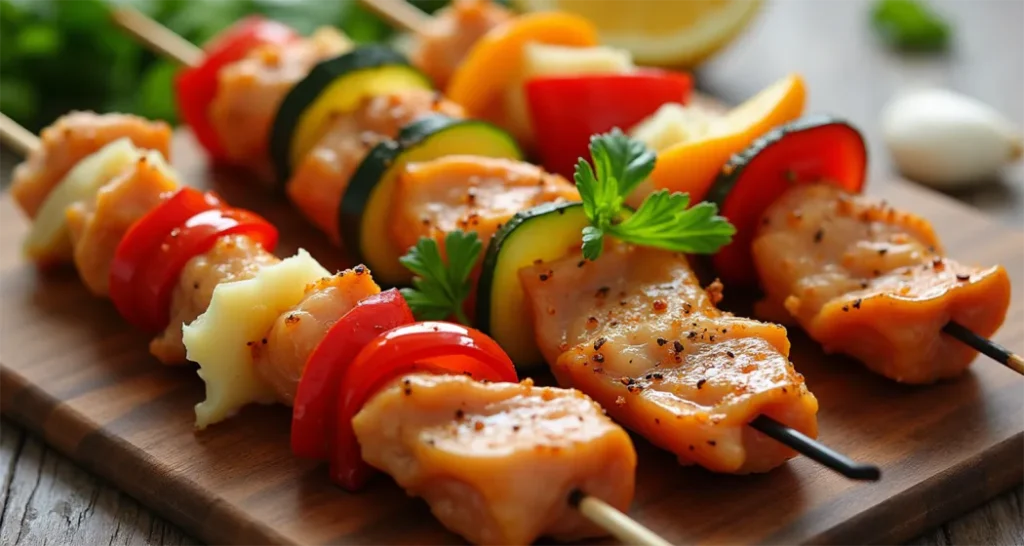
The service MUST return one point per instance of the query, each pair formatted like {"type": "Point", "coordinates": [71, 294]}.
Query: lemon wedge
{"type": "Point", "coordinates": [659, 32]}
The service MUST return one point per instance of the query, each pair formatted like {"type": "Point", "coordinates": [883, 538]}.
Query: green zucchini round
{"type": "Point", "coordinates": [335, 86]}
{"type": "Point", "coordinates": [545, 232]}
{"type": "Point", "coordinates": [364, 214]}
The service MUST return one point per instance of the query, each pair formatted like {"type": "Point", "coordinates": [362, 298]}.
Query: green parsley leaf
{"type": "Point", "coordinates": [439, 288]}
{"type": "Point", "coordinates": [620, 164]}
{"type": "Point", "coordinates": [910, 25]}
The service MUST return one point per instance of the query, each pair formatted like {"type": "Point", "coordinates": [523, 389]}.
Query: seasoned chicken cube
{"type": "Point", "coordinates": [469, 193]}
{"type": "Point", "coordinates": [232, 258]}
{"type": "Point", "coordinates": [452, 32]}
{"type": "Point", "coordinates": [295, 334]}
{"type": "Point", "coordinates": [320, 180]}
{"type": "Point", "coordinates": [870, 281]}
{"type": "Point", "coordinates": [497, 462]}
{"type": "Point", "coordinates": [250, 91]}
{"type": "Point", "coordinates": [635, 331]}
{"type": "Point", "coordinates": [70, 139]}
{"type": "Point", "coordinates": [97, 226]}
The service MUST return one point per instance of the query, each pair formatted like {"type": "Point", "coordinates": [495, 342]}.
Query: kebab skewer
{"type": "Point", "coordinates": [860, 276]}
{"type": "Point", "coordinates": [415, 370]}
{"type": "Point", "coordinates": [286, 393]}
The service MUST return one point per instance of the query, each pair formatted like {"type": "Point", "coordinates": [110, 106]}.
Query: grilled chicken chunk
{"type": "Point", "coordinates": [98, 226]}
{"type": "Point", "coordinates": [496, 462]}
{"type": "Point", "coordinates": [232, 258]}
{"type": "Point", "coordinates": [250, 91]}
{"type": "Point", "coordinates": [635, 331]}
{"type": "Point", "coordinates": [469, 193]}
{"type": "Point", "coordinates": [870, 281]}
{"type": "Point", "coordinates": [452, 32]}
{"type": "Point", "coordinates": [70, 139]}
{"type": "Point", "coordinates": [295, 334]}
{"type": "Point", "coordinates": [320, 179]}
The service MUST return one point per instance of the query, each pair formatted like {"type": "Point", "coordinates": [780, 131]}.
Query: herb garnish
{"type": "Point", "coordinates": [663, 220]}
{"type": "Point", "coordinates": [439, 288]}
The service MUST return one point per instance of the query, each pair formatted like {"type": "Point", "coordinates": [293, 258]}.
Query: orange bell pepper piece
{"type": "Point", "coordinates": [691, 166]}
{"type": "Point", "coordinates": [494, 64]}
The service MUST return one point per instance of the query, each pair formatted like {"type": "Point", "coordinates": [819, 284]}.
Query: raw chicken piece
{"type": "Point", "coordinates": [70, 139]}
{"type": "Point", "coordinates": [295, 334]}
{"type": "Point", "coordinates": [635, 331]}
{"type": "Point", "coordinates": [232, 258]}
{"type": "Point", "coordinates": [250, 91]}
{"type": "Point", "coordinates": [323, 175]}
{"type": "Point", "coordinates": [452, 32]}
{"type": "Point", "coordinates": [98, 226]}
{"type": "Point", "coordinates": [469, 193]}
{"type": "Point", "coordinates": [497, 462]}
{"type": "Point", "coordinates": [870, 281]}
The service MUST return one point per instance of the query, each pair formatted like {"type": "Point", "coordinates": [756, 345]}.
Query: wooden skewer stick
{"type": "Point", "coordinates": [400, 13]}
{"type": "Point", "coordinates": [815, 450]}
{"type": "Point", "coordinates": [16, 136]}
{"type": "Point", "coordinates": [158, 37]}
{"type": "Point", "coordinates": [615, 522]}
{"type": "Point", "coordinates": [985, 346]}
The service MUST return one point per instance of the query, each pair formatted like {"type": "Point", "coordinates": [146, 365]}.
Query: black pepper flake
{"type": "Point", "coordinates": [725, 330]}
{"type": "Point", "coordinates": [883, 251]}
{"type": "Point", "coordinates": [602, 292]}
{"type": "Point", "coordinates": [691, 447]}
{"type": "Point", "coordinates": [657, 421]}
{"type": "Point", "coordinates": [581, 263]}
{"type": "Point", "coordinates": [599, 343]}
{"type": "Point", "coordinates": [543, 276]}
{"type": "Point", "coordinates": [360, 269]}
{"type": "Point", "coordinates": [819, 235]}
{"type": "Point", "coordinates": [622, 303]}
{"type": "Point", "coordinates": [250, 343]}
{"type": "Point", "coordinates": [662, 341]}
{"type": "Point", "coordinates": [263, 341]}
{"type": "Point", "coordinates": [856, 303]}
{"type": "Point", "coordinates": [863, 284]}
{"type": "Point", "coordinates": [657, 376]}
{"type": "Point", "coordinates": [691, 335]}
{"type": "Point", "coordinates": [961, 277]}
{"type": "Point", "coordinates": [711, 338]}
{"type": "Point", "coordinates": [700, 384]}
{"type": "Point", "coordinates": [712, 443]}
{"type": "Point", "coordinates": [598, 369]}
{"type": "Point", "coordinates": [408, 391]}
{"type": "Point", "coordinates": [195, 286]}
{"type": "Point", "coordinates": [730, 354]}
{"type": "Point", "coordinates": [677, 346]}
{"type": "Point", "coordinates": [515, 428]}
{"type": "Point", "coordinates": [598, 357]}
{"type": "Point", "coordinates": [846, 308]}
{"type": "Point", "coordinates": [459, 414]}
{"type": "Point", "coordinates": [876, 273]}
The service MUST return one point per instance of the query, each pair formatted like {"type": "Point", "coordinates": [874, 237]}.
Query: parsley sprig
{"type": "Point", "coordinates": [439, 288]}
{"type": "Point", "coordinates": [663, 220]}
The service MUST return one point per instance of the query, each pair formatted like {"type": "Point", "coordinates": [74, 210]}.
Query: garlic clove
{"type": "Point", "coordinates": [948, 140]}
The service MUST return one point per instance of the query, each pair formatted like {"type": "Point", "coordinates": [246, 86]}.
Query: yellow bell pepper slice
{"type": "Point", "coordinates": [494, 64]}
{"type": "Point", "coordinates": [692, 165]}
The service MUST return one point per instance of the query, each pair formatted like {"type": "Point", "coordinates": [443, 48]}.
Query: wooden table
{"type": "Point", "coordinates": [48, 499]}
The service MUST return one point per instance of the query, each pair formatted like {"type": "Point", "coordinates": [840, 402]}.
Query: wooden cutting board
{"type": "Point", "coordinates": [76, 374]}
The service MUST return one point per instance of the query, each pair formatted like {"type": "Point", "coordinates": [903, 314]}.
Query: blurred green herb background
{"type": "Point", "coordinates": [58, 55]}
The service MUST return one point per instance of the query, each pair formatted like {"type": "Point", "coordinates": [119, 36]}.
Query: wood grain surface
{"type": "Point", "coordinates": [47, 498]}
{"type": "Point", "coordinates": [75, 374]}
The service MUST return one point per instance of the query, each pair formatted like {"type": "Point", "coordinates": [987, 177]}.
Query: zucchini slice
{"type": "Point", "coordinates": [363, 217]}
{"type": "Point", "coordinates": [814, 149]}
{"type": "Point", "coordinates": [335, 86]}
{"type": "Point", "coordinates": [545, 232]}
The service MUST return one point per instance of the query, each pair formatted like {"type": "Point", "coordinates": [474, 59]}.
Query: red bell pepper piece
{"type": "Point", "coordinates": [197, 86]}
{"type": "Point", "coordinates": [315, 399]}
{"type": "Point", "coordinates": [567, 110]}
{"type": "Point", "coordinates": [433, 347]}
{"type": "Point", "coordinates": [801, 152]}
{"type": "Point", "coordinates": [150, 257]}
